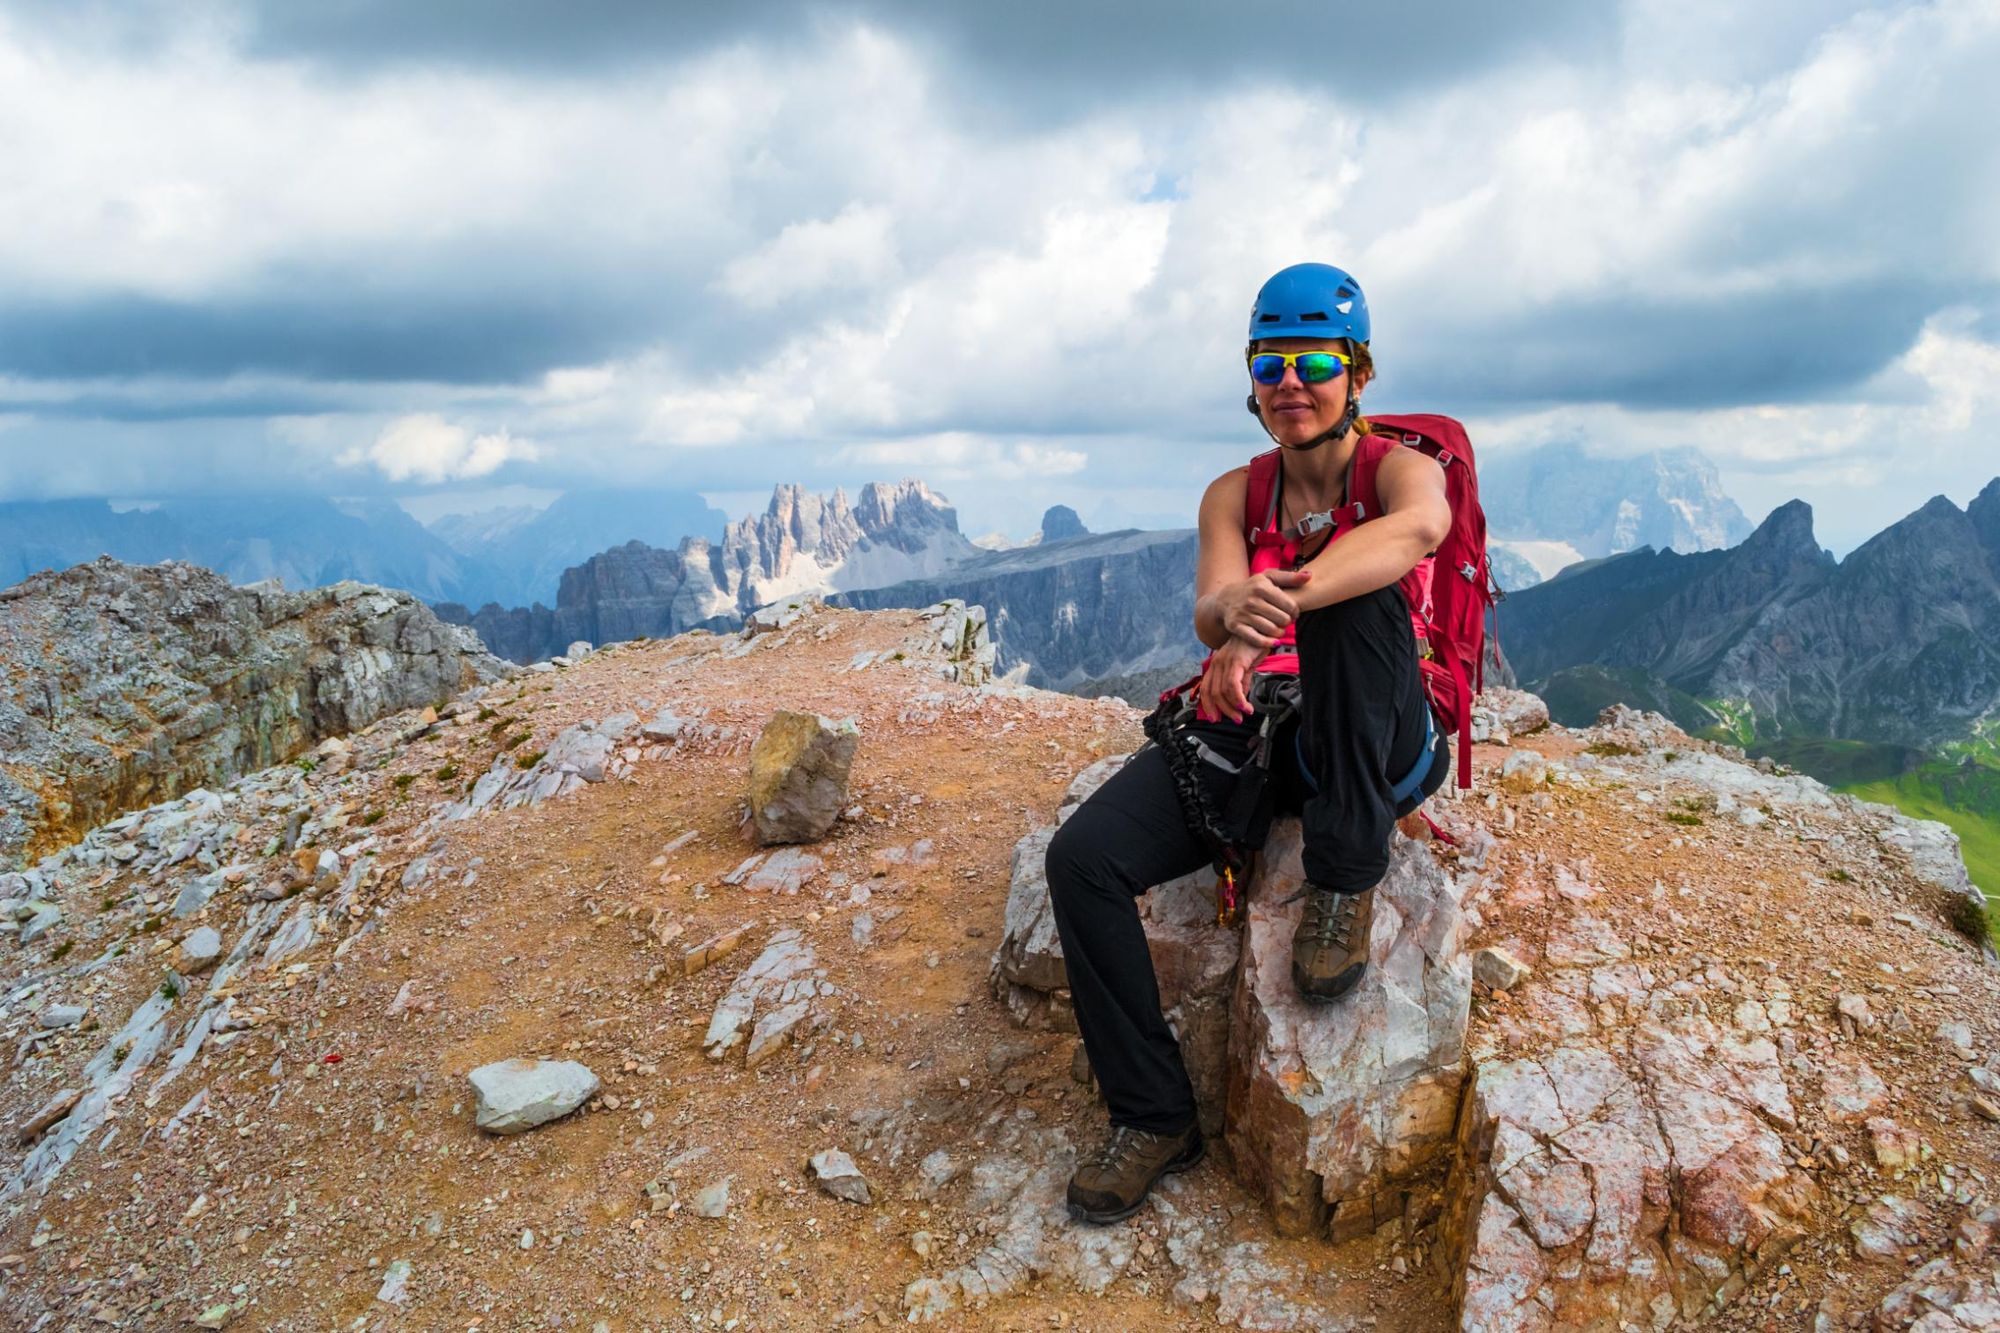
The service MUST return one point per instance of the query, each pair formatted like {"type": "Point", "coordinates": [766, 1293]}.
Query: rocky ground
{"type": "Point", "coordinates": [1743, 1068]}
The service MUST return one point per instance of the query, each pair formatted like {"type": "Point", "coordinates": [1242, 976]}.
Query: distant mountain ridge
{"type": "Point", "coordinates": [801, 544]}
{"type": "Point", "coordinates": [1557, 504]}
{"type": "Point", "coordinates": [1899, 643]}
{"type": "Point", "coordinates": [518, 554]}
{"type": "Point", "coordinates": [306, 542]}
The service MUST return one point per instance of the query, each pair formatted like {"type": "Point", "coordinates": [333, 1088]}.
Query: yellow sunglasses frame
{"type": "Point", "coordinates": [1291, 360]}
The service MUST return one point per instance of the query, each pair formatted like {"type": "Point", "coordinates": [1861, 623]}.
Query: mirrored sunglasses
{"type": "Point", "coordinates": [1313, 367]}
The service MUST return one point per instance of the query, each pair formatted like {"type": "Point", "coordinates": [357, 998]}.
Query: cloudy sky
{"type": "Point", "coordinates": [470, 249]}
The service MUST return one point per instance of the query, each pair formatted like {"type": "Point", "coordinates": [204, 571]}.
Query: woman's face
{"type": "Point", "coordinates": [1294, 410]}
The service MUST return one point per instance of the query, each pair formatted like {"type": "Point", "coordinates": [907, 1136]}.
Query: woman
{"type": "Point", "coordinates": [1330, 610]}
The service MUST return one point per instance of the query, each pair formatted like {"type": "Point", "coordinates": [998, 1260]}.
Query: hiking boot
{"type": "Point", "coordinates": [1330, 950]}
{"type": "Point", "coordinates": [1114, 1181]}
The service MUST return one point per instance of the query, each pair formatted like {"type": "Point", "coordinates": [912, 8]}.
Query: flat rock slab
{"type": "Point", "coordinates": [517, 1095]}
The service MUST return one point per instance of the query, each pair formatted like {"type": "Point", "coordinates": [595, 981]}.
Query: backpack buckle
{"type": "Point", "coordinates": [1444, 457]}
{"type": "Point", "coordinates": [1470, 571]}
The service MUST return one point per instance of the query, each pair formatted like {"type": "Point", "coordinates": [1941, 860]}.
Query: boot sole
{"type": "Point", "coordinates": [1186, 1161]}
{"type": "Point", "coordinates": [1312, 997]}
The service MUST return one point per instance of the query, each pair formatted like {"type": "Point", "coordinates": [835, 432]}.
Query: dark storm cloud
{"type": "Point", "coordinates": [1805, 344]}
{"type": "Point", "coordinates": [1090, 51]}
{"type": "Point", "coordinates": [328, 332]}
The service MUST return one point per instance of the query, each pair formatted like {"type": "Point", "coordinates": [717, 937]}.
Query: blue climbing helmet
{"type": "Point", "coordinates": [1310, 301]}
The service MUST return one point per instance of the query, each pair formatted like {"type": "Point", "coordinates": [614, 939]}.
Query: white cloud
{"type": "Point", "coordinates": [996, 300]}
{"type": "Point", "coordinates": [424, 447]}
{"type": "Point", "coordinates": [856, 248]}
{"type": "Point", "coordinates": [956, 456]}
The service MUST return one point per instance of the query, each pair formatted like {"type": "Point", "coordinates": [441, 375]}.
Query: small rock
{"type": "Point", "coordinates": [215, 1316]}
{"type": "Point", "coordinates": [836, 1174]}
{"type": "Point", "coordinates": [1896, 1148]}
{"type": "Point", "coordinates": [1854, 1010]}
{"type": "Point", "coordinates": [46, 917]}
{"type": "Point", "coordinates": [579, 650]}
{"type": "Point", "coordinates": [52, 1110]}
{"type": "Point", "coordinates": [714, 1200]}
{"type": "Point", "coordinates": [1985, 1107]}
{"type": "Point", "coordinates": [1497, 968]}
{"type": "Point", "coordinates": [1958, 1034]}
{"type": "Point", "coordinates": [63, 1015]}
{"type": "Point", "coordinates": [200, 951]}
{"type": "Point", "coordinates": [1887, 1227]}
{"type": "Point", "coordinates": [395, 1288]}
{"type": "Point", "coordinates": [665, 726]}
{"type": "Point", "coordinates": [516, 1095]}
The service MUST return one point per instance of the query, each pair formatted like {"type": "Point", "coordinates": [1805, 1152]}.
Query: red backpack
{"type": "Point", "coordinates": [1449, 592]}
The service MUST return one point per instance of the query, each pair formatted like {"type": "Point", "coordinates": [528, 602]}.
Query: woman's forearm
{"type": "Point", "coordinates": [1373, 555]}
{"type": "Point", "coordinates": [1208, 626]}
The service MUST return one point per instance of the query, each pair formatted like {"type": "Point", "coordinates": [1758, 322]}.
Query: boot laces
{"type": "Point", "coordinates": [1123, 1142]}
{"type": "Point", "coordinates": [1329, 916]}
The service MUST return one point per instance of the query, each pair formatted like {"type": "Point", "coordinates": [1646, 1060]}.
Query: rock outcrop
{"type": "Point", "coordinates": [1329, 1111]}
{"type": "Point", "coordinates": [129, 684]}
{"type": "Point", "coordinates": [1618, 1143]}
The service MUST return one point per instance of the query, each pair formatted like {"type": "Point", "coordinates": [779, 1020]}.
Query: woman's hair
{"type": "Point", "coordinates": [1364, 366]}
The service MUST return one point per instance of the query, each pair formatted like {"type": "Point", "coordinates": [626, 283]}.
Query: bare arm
{"type": "Point", "coordinates": [1415, 517]}
{"type": "Point", "coordinates": [1230, 601]}
{"type": "Point", "coordinates": [1223, 557]}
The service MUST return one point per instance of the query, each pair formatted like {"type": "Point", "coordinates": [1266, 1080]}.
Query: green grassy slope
{"type": "Point", "coordinates": [1964, 796]}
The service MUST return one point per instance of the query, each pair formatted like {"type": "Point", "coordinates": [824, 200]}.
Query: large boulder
{"type": "Point", "coordinates": [517, 1095]}
{"type": "Point", "coordinates": [798, 776]}
{"type": "Point", "coordinates": [1321, 1106]}
{"type": "Point", "coordinates": [1335, 1108]}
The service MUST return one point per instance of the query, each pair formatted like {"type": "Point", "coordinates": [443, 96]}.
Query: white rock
{"type": "Point", "coordinates": [63, 1015]}
{"type": "Point", "coordinates": [200, 951]}
{"type": "Point", "coordinates": [515, 1095]}
{"type": "Point", "coordinates": [1498, 969]}
{"type": "Point", "coordinates": [395, 1288]}
{"type": "Point", "coordinates": [836, 1173]}
{"type": "Point", "coordinates": [47, 916]}
{"type": "Point", "coordinates": [714, 1200]}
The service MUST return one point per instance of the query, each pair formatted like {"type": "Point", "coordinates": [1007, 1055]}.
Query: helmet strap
{"type": "Point", "coordinates": [1338, 429]}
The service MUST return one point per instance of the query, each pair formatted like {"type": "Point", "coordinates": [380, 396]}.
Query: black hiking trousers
{"type": "Point", "coordinates": [1360, 731]}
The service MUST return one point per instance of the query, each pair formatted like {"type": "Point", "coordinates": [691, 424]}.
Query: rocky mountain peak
{"type": "Point", "coordinates": [1061, 522]}
{"type": "Point", "coordinates": [904, 515]}
{"type": "Point", "coordinates": [1984, 511]}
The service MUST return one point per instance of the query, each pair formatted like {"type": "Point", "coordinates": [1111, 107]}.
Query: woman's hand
{"type": "Point", "coordinates": [1224, 690]}
{"type": "Point", "coordinates": [1258, 609]}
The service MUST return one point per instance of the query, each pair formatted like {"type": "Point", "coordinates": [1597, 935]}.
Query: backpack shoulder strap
{"type": "Point", "coordinates": [1258, 494]}
{"type": "Point", "coordinates": [1369, 451]}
